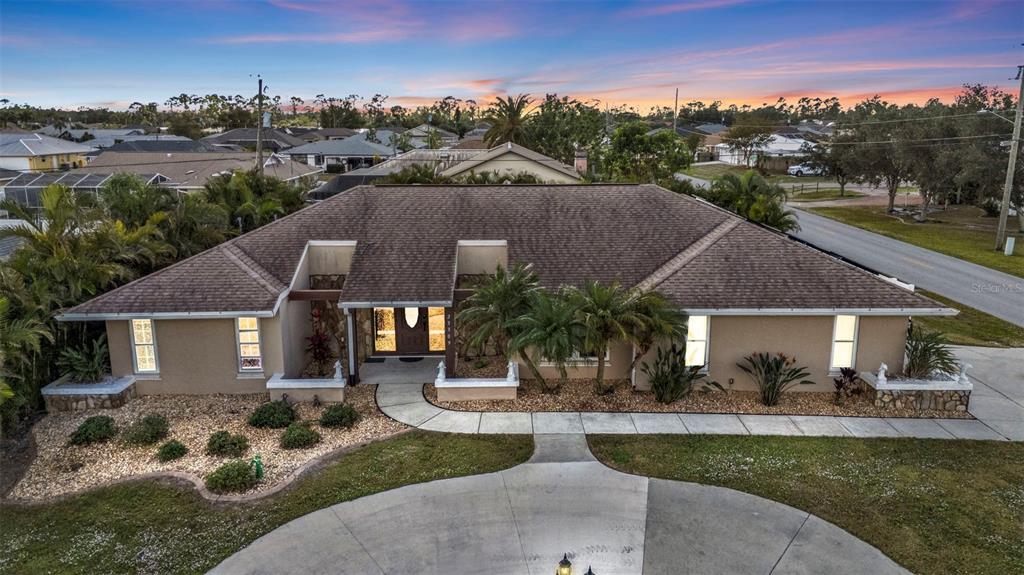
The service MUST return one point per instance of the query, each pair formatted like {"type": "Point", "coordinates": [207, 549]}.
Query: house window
{"type": "Point", "coordinates": [844, 341]}
{"type": "Point", "coordinates": [588, 357]}
{"type": "Point", "coordinates": [435, 324]}
{"type": "Point", "coordinates": [384, 329]}
{"type": "Point", "coordinates": [697, 340]}
{"type": "Point", "coordinates": [249, 356]}
{"type": "Point", "coordinates": [143, 346]}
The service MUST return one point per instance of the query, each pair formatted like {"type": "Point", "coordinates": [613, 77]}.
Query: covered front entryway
{"type": "Point", "coordinates": [408, 331]}
{"type": "Point", "coordinates": [398, 370]}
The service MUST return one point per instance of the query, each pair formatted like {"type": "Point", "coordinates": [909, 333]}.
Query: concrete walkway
{"type": "Point", "coordinates": [406, 404]}
{"type": "Point", "coordinates": [522, 520]}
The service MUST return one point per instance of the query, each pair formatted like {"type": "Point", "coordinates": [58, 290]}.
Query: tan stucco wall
{"type": "Point", "coordinates": [197, 356]}
{"type": "Point", "coordinates": [617, 366]}
{"type": "Point", "coordinates": [295, 327]}
{"type": "Point", "coordinates": [514, 164]}
{"type": "Point", "coordinates": [807, 338]}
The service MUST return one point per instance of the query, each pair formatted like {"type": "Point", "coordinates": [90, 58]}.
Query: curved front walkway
{"type": "Point", "coordinates": [522, 520]}
{"type": "Point", "coordinates": [406, 403]}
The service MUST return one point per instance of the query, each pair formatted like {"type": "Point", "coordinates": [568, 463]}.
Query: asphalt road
{"type": "Point", "coordinates": [990, 291]}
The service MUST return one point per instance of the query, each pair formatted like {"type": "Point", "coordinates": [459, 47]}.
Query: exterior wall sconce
{"type": "Point", "coordinates": [564, 566]}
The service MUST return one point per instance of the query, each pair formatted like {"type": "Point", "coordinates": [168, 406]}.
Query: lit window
{"type": "Point", "coordinates": [844, 341]}
{"type": "Point", "coordinates": [249, 356]}
{"type": "Point", "coordinates": [143, 346]}
{"type": "Point", "coordinates": [697, 340]}
{"type": "Point", "coordinates": [384, 329]}
{"type": "Point", "coordinates": [435, 323]}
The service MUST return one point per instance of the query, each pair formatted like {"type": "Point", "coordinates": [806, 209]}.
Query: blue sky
{"type": "Point", "coordinates": [738, 51]}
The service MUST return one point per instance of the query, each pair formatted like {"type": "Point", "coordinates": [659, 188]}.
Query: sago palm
{"type": "Point", "coordinates": [489, 314]}
{"type": "Point", "coordinates": [608, 313]}
{"type": "Point", "coordinates": [551, 331]}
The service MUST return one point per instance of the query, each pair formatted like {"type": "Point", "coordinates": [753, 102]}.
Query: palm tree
{"type": "Point", "coordinates": [491, 311]}
{"type": "Point", "coordinates": [507, 117]}
{"type": "Point", "coordinates": [660, 321]}
{"type": "Point", "coordinates": [755, 198]}
{"type": "Point", "coordinates": [607, 313]}
{"type": "Point", "coordinates": [552, 330]}
{"type": "Point", "coordinates": [20, 341]}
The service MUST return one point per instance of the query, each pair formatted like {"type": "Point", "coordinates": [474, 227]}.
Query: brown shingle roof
{"type": "Point", "coordinates": [407, 237]}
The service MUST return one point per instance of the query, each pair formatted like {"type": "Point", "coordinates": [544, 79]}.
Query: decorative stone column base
{"type": "Point", "coordinates": [921, 400]}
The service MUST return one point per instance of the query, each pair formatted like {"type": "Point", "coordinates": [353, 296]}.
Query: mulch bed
{"type": "Point", "coordinates": [59, 468]}
{"type": "Point", "coordinates": [578, 395]}
{"type": "Point", "coordinates": [482, 367]}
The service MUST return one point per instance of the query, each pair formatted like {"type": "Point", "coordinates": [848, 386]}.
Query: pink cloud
{"type": "Point", "coordinates": [677, 7]}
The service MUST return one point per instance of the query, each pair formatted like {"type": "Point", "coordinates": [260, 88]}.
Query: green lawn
{"type": "Point", "coordinates": [823, 194]}
{"type": "Point", "coordinates": [962, 232]}
{"type": "Point", "coordinates": [934, 506]}
{"type": "Point", "coordinates": [971, 326]}
{"type": "Point", "coordinates": [153, 527]}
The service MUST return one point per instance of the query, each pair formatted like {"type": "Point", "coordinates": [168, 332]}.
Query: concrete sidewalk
{"type": "Point", "coordinates": [522, 520]}
{"type": "Point", "coordinates": [407, 404]}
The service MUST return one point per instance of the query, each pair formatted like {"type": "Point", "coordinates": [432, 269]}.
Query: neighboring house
{"type": "Point", "coordinates": [89, 134]}
{"type": "Point", "coordinates": [350, 153]}
{"type": "Point", "coordinates": [507, 159]}
{"type": "Point", "coordinates": [318, 134]}
{"type": "Point", "coordinates": [110, 141]}
{"type": "Point", "coordinates": [780, 149]}
{"type": "Point", "coordinates": [37, 152]}
{"type": "Point", "coordinates": [164, 144]}
{"type": "Point", "coordinates": [420, 135]}
{"type": "Point", "coordinates": [394, 260]}
{"type": "Point", "coordinates": [27, 187]}
{"type": "Point", "coordinates": [468, 143]}
{"type": "Point", "coordinates": [188, 171]}
{"type": "Point", "coordinates": [510, 159]}
{"type": "Point", "coordinates": [273, 139]}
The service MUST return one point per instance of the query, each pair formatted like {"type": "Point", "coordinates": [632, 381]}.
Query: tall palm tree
{"type": "Point", "coordinates": [607, 313]}
{"type": "Point", "coordinates": [490, 313]}
{"type": "Point", "coordinates": [755, 198]}
{"type": "Point", "coordinates": [551, 330]}
{"type": "Point", "coordinates": [508, 117]}
{"type": "Point", "coordinates": [659, 321]}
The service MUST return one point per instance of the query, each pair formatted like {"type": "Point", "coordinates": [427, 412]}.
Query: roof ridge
{"type": "Point", "coordinates": [687, 255]}
{"type": "Point", "coordinates": [253, 269]}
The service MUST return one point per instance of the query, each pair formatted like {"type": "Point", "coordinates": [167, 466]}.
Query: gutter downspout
{"type": "Point", "coordinates": [350, 325]}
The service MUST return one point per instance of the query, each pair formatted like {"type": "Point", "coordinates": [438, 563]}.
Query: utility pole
{"type": "Point", "coordinates": [259, 126]}
{"type": "Point", "coordinates": [675, 111]}
{"type": "Point", "coordinates": [1004, 211]}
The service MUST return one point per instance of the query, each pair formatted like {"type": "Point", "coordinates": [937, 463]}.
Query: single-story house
{"type": "Point", "coordinates": [512, 159]}
{"type": "Point", "coordinates": [89, 134]}
{"type": "Point", "coordinates": [421, 134]}
{"type": "Point", "coordinates": [350, 153]}
{"type": "Point", "coordinates": [189, 171]}
{"type": "Point", "coordinates": [392, 262]}
{"type": "Point", "coordinates": [164, 144]}
{"type": "Point", "coordinates": [107, 142]}
{"type": "Point", "coordinates": [26, 152]}
{"type": "Point", "coordinates": [781, 147]}
{"type": "Point", "coordinates": [318, 134]}
{"type": "Point", "coordinates": [273, 139]}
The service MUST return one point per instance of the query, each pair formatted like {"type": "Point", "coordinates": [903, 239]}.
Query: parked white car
{"type": "Point", "coordinates": [801, 170]}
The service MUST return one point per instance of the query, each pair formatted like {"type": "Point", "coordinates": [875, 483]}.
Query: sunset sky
{"type": "Point", "coordinates": [112, 53]}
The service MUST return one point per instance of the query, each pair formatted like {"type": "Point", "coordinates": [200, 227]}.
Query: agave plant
{"type": "Point", "coordinates": [927, 353]}
{"type": "Point", "coordinates": [774, 374]}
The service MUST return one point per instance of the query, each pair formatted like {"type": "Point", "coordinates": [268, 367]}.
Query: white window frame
{"type": "Point", "coordinates": [239, 344]}
{"type": "Point", "coordinates": [832, 369]}
{"type": "Point", "coordinates": [135, 356]}
{"type": "Point", "coordinates": [591, 359]}
{"type": "Point", "coordinates": [706, 340]}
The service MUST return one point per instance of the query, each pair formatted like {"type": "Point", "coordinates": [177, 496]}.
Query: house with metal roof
{"type": "Point", "coordinates": [392, 263]}
{"type": "Point", "coordinates": [26, 152]}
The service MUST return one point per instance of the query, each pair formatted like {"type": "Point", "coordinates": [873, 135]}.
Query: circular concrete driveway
{"type": "Point", "coordinates": [523, 519]}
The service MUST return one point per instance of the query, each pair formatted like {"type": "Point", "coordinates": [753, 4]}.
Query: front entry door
{"type": "Point", "coordinates": [412, 335]}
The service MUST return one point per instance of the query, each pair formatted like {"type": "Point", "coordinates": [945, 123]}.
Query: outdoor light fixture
{"type": "Point", "coordinates": [564, 566]}
{"type": "Point", "coordinates": [589, 571]}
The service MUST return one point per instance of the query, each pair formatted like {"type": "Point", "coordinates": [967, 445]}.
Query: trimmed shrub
{"type": "Point", "coordinates": [339, 415]}
{"type": "Point", "coordinates": [299, 435]}
{"type": "Point", "coordinates": [224, 444]}
{"type": "Point", "coordinates": [96, 429]}
{"type": "Point", "coordinates": [171, 450]}
{"type": "Point", "coordinates": [233, 476]}
{"type": "Point", "coordinates": [147, 431]}
{"type": "Point", "coordinates": [275, 415]}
